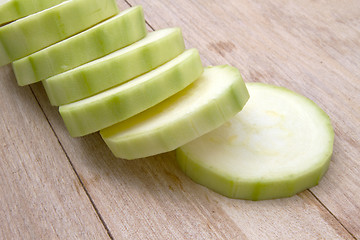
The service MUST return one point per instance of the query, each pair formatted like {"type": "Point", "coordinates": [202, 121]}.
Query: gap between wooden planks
{"type": "Point", "coordinates": [153, 199]}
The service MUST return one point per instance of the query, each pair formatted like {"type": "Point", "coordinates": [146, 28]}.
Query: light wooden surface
{"type": "Point", "coordinates": [55, 187]}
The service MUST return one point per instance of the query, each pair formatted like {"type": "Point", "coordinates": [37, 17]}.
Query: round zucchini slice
{"type": "Point", "coordinates": [203, 106]}
{"type": "Point", "coordinates": [279, 145]}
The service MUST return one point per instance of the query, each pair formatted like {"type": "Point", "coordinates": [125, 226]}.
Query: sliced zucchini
{"type": "Point", "coordinates": [32, 33]}
{"type": "Point", "coordinates": [203, 106]}
{"type": "Point", "coordinates": [98, 41]}
{"type": "Point", "coordinates": [118, 67]}
{"type": "Point", "coordinates": [11, 10]}
{"type": "Point", "coordinates": [119, 103]}
{"type": "Point", "coordinates": [279, 145]}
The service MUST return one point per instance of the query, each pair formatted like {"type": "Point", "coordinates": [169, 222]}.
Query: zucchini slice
{"type": "Point", "coordinates": [112, 106]}
{"type": "Point", "coordinates": [98, 41]}
{"type": "Point", "coordinates": [11, 10]}
{"type": "Point", "coordinates": [279, 145]}
{"type": "Point", "coordinates": [118, 67]}
{"type": "Point", "coordinates": [32, 33]}
{"type": "Point", "coordinates": [210, 101]}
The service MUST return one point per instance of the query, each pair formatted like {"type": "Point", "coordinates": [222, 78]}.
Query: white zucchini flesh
{"type": "Point", "coordinates": [124, 101]}
{"type": "Point", "coordinates": [279, 145]}
{"type": "Point", "coordinates": [155, 49]}
{"type": "Point", "coordinates": [117, 32]}
{"type": "Point", "coordinates": [203, 106]}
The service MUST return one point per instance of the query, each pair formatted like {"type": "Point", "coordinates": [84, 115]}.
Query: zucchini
{"type": "Point", "coordinates": [203, 106]}
{"type": "Point", "coordinates": [32, 33]}
{"type": "Point", "coordinates": [147, 96]}
{"type": "Point", "coordinates": [117, 104]}
{"type": "Point", "coordinates": [279, 145]}
{"type": "Point", "coordinates": [118, 67]}
{"type": "Point", "coordinates": [98, 41]}
{"type": "Point", "coordinates": [11, 10]}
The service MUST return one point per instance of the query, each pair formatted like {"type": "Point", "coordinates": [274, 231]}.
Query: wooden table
{"type": "Point", "coordinates": [56, 187]}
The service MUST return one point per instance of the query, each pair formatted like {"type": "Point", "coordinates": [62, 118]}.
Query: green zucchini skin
{"type": "Point", "coordinates": [32, 33]}
{"type": "Point", "coordinates": [14, 9]}
{"type": "Point", "coordinates": [98, 41]}
{"type": "Point", "coordinates": [126, 100]}
{"type": "Point", "coordinates": [115, 68]}
{"type": "Point", "coordinates": [206, 104]}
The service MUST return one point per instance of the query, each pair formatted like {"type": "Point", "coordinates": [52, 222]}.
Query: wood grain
{"type": "Point", "coordinates": [311, 47]}
{"type": "Point", "coordinates": [41, 196]}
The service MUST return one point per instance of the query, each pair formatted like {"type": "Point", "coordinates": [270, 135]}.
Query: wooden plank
{"type": "Point", "coordinates": [312, 47]}
{"type": "Point", "coordinates": [40, 195]}
{"type": "Point", "coordinates": [150, 198]}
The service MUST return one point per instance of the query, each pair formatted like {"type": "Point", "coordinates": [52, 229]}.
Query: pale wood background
{"type": "Point", "coordinates": [55, 187]}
